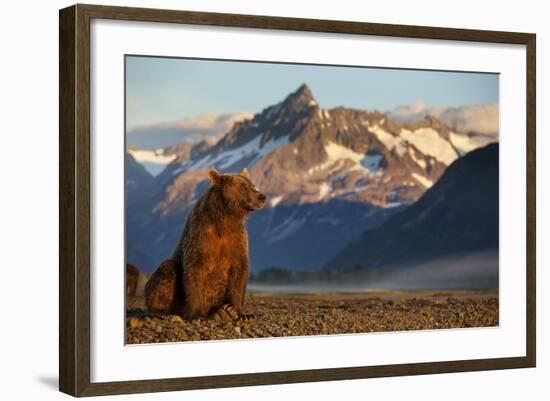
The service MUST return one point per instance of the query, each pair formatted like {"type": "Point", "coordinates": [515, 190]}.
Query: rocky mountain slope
{"type": "Point", "coordinates": [136, 176]}
{"type": "Point", "coordinates": [324, 171]}
{"type": "Point", "coordinates": [458, 216]}
{"type": "Point", "coordinates": [300, 153]}
{"type": "Point", "coordinates": [156, 160]}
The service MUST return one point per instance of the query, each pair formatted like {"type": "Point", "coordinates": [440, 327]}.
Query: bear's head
{"type": "Point", "coordinates": [237, 190]}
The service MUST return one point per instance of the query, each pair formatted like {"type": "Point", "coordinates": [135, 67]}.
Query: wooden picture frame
{"type": "Point", "coordinates": [75, 206]}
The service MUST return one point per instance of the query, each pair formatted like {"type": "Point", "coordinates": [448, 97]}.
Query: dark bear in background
{"type": "Point", "coordinates": [164, 291]}
{"type": "Point", "coordinates": [132, 278]}
{"type": "Point", "coordinates": [208, 270]}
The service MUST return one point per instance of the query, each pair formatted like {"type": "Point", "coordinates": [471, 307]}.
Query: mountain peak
{"type": "Point", "coordinates": [304, 89]}
{"type": "Point", "coordinates": [301, 97]}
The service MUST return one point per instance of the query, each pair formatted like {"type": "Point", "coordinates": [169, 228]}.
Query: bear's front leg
{"type": "Point", "coordinates": [238, 280]}
{"type": "Point", "coordinates": [196, 300]}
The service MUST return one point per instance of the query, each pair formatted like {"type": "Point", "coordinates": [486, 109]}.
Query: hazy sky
{"type": "Point", "coordinates": [168, 89]}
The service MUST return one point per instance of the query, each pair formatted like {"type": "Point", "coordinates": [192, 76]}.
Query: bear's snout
{"type": "Point", "coordinates": [261, 197]}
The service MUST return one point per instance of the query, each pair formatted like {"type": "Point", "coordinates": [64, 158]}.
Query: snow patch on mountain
{"type": "Point", "coordinates": [287, 228]}
{"type": "Point", "coordinates": [466, 143]}
{"type": "Point", "coordinates": [154, 161]}
{"type": "Point", "coordinates": [276, 200]}
{"type": "Point", "coordinates": [336, 152]}
{"type": "Point", "coordinates": [178, 170]}
{"type": "Point", "coordinates": [231, 156]}
{"type": "Point", "coordinates": [429, 142]}
{"type": "Point", "coordinates": [324, 190]}
{"type": "Point", "coordinates": [269, 147]}
{"type": "Point", "coordinates": [390, 141]}
{"type": "Point", "coordinates": [335, 155]}
{"type": "Point", "coordinates": [250, 149]}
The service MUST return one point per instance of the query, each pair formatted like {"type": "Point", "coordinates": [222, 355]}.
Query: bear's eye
{"type": "Point", "coordinates": [243, 185]}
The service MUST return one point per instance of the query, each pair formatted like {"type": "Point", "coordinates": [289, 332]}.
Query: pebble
{"type": "Point", "coordinates": [176, 319]}
{"type": "Point", "coordinates": [135, 323]}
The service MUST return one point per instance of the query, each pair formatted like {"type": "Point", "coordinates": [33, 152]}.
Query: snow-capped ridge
{"type": "Point", "coordinates": [154, 161]}
{"type": "Point", "coordinates": [429, 142]}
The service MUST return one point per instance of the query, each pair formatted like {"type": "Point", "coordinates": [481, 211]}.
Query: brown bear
{"type": "Point", "coordinates": [208, 270]}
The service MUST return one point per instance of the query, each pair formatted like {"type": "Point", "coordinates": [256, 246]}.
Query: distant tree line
{"type": "Point", "coordinates": [280, 276]}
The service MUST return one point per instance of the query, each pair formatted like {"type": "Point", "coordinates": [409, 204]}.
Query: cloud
{"type": "Point", "coordinates": [191, 130]}
{"type": "Point", "coordinates": [482, 119]}
{"type": "Point", "coordinates": [414, 110]}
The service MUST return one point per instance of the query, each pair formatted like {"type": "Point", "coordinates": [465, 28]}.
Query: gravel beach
{"type": "Point", "coordinates": [278, 315]}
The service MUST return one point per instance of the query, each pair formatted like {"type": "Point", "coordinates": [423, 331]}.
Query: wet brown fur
{"type": "Point", "coordinates": [209, 266]}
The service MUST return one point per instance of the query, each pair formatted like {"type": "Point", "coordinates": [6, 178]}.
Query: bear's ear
{"type": "Point", "coordinates": [214, 176]}
{"type": "Point", "coordinates": [244, 173]}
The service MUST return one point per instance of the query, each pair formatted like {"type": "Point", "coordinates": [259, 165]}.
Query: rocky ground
{"type": "Point", "coordinates": [279, 315]}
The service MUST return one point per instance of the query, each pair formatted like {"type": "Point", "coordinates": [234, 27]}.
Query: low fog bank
{"type": "Point", "coordinates": [474, 271]}
{"type": "Point", "coordinates": [464, 272]}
